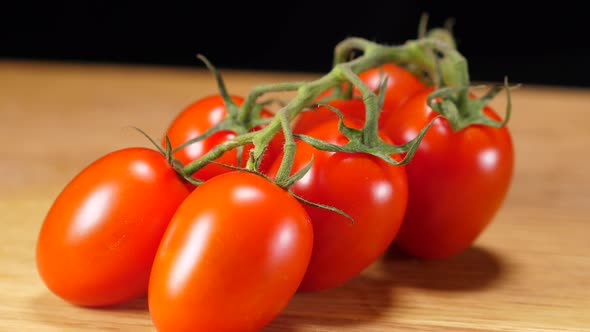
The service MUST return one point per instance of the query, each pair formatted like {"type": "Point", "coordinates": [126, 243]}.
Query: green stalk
{"type": "Point", "coordinates": [217, 152]}
{"type": "Point", "coordinates": [289, 152]}
{"type": "Point", "coordinates": [250, 102]}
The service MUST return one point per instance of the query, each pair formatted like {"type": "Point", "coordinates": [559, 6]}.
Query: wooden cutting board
{"type": "Point", "coordinates": [529, 271]}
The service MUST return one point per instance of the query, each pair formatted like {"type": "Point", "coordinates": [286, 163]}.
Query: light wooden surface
{"type": "Point", "coordinates": [529, 271]}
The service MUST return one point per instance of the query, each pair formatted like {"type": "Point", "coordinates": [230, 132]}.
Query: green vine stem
{"type": "Point", "coordinates": [430, 54]}
{"type": "Point", "coordinates": [288, 151]}
{"type": "Point", "coordinates": [250, 103]}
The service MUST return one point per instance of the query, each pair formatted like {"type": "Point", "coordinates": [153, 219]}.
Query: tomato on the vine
{"type": "Point", "coordinates": [370, 190]}
{"type": "Point", "coordinates": [457, 180]}
{"type": "Point", "coordinates": [195, 120]}
{"type": "Point", "coordinates": [99, 238]}
{"type": "Point", "coordinates": [232, 257]}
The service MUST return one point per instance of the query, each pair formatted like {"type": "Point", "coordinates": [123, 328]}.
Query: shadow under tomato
{"type": "Point", "coordinates": [474, 269]}
{"type": "Point", "coordinates": [51, 310]}
{"type": "Point", "coordinates": [370, 296]}
{"type": "Point", "coordinates": [138, 304]}
{"type": "Point", "coordinates": [362, 299]}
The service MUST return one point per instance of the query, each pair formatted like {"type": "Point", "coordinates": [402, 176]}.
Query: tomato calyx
{"type": "Point", "coordinates": [358, 141]}
{"type": "Point", "coordinates": [461, 111]}
{"type": "Point", "coordinates": [367, 140]}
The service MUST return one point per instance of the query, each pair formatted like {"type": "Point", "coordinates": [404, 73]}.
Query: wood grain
{"type": "Point", "coordinates": [529, 271]}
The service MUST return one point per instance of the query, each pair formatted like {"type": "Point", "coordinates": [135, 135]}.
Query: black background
{"type": "Point", "coordinates": [532, 43]}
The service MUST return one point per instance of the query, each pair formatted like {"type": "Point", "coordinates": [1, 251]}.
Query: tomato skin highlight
{"type": "Point", "coordinates": [457, 181]}
{"type": "Point", "coordinates": [233, 256]}
{"type": "Point", "coordinates": [99, 238]}
{"type": "Point", "coordinates": [195, 120]}
{"type": "Point", "coordinates": [367, 188]}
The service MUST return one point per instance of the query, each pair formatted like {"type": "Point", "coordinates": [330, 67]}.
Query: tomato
{"type": "Point", "coordinates": [99, 238]}
{"type": "Point", "coordinates": [195, 120]}
{"type": "Point", "coordinates": [457, 180]}
{"type": "Point", "coordinates": [371, 191]}
{"type": "Point", "coordinates": [232, 257]}
{"type": "Point", "coordinates": [401, 84]}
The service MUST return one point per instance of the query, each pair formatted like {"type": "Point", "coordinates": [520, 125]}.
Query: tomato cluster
{"type": "Point", "coordinates": [229, 254]}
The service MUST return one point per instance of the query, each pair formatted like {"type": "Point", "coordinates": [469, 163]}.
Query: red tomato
{"type": "Point", "coordinates": [99, 238]}
{"type": "Point", "coordinates": [367, 188]}
{"type": "Point", "coordinates": [457, 180]}
{"type": "Point", "coordinates": [401, 84]}
{"type": "Point", "coordinates": [195, 120]}
{"type": "Point", "coordinates": [232, 257]}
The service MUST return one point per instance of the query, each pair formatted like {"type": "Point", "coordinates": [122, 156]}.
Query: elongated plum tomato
{"type": "Point", "coordinates": [195, 120]}
{"type": "Point", "coordinates": [367, 188]}
{"type": "Point", "coordinates": [457, 180]}
{"type": "Point", "coordinates": [100, 236]}
{"type": "Point", "coordinates": [232, 257]}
